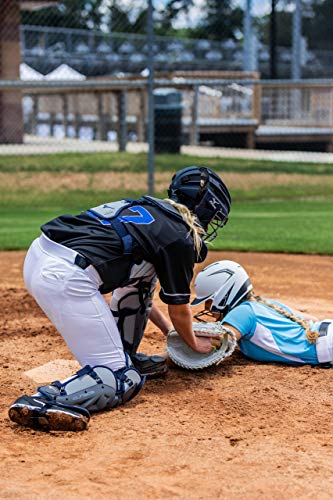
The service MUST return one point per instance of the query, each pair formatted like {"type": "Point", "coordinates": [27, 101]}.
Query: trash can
{"type": "Point", "coordinates": [168, 120]}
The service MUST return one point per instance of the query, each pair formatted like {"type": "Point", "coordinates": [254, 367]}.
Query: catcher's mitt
{"type": "Point", "coordinates": [182, 355]}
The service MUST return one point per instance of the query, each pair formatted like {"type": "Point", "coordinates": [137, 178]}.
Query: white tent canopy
{"type": "Point", "coordinates": [28, 73]}
{"type": "Point", "coordinates": [64, 72]}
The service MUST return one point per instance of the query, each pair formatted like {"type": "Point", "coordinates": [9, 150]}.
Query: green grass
{"type": "Point", "coordinates": [99, 162]}
{"type": "Point", "coordinates": [80, 199]}
{"type": "Point", "coordinates": [293, 227]}
{"type": "Point", "coordinates": [281, 218]}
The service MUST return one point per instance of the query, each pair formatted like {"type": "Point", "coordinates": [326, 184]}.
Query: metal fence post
{"type": "Point", "coordinates": [150, 89]}
{"type": "Point", "coordinates": [122, 127]}
{"type": "Point", "coordinates": [65, 113]}
{"type": "Point", "coordinates": [34, 114]}
{"type": "Point", "coordinates": [248, 35]}
{"type": "Point", "coordinates": [297, 40]}
{"type": "Point", "coordinates": [194, 134]}
{"type": "Point", "coordinates": [100, 127]}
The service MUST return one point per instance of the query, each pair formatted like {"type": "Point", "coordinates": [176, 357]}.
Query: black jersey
{"type": "Point", "coordinates": [160, 238]}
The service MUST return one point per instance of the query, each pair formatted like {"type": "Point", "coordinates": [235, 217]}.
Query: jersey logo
{"type": "Point", "coordinates": [142, 216]}
{"type": "Point", "coordinates": [214, 202]}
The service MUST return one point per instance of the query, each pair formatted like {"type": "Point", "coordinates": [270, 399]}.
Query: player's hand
{"type": "Point", "coordinates": [204, 345]}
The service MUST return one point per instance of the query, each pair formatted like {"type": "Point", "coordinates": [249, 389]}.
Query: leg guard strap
{"type": "Point", "coordinates": [95, 389]}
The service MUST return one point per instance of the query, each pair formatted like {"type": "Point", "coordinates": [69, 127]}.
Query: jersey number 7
{"type": "Point", "coordinates": [142, 216]}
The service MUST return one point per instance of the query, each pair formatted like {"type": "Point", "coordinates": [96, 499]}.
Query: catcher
{"type": "Point", "coordinates": [266, 330]}
{"type": "Point", "coordinates": [123, 247]}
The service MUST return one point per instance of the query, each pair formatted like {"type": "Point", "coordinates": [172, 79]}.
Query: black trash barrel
{"type": "Point", "coordinates": [168, 120]}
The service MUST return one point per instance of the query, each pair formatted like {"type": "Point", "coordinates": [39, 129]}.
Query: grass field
{"type": "Point", "coordinates": [277, 206]}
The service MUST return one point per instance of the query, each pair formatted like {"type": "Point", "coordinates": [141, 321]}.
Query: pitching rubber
{"type": "Point", "coordinates": [29, 413]}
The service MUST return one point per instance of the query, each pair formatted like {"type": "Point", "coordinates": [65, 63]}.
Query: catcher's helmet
{"type": "Point", "coordinates": [225, 282]}
{"type": "Point", "coordinates": [205, 194]}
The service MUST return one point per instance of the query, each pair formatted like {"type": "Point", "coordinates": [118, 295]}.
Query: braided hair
{"type": "Point", "coordinates": [311, 335]}
{"type": "Point", "coordinates": [192, 221]}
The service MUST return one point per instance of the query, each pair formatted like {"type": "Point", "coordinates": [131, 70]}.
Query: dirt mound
{"type": "Point", "coordinates": [240, 430]}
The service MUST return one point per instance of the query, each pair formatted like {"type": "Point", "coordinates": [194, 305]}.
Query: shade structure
{"type": "Point", "coordinates": [65, 72]}
{"type": "Point", "coordinates": [29, 73]}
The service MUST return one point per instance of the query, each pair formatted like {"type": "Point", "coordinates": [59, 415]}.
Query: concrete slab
{"type": "Point", "coordinates": [43, 145]}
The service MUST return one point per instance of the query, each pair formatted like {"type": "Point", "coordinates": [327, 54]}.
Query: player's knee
{"type": "Point", "coordinates": [98, 388]}
{"type": "Point", "coordinates": [131, 308]}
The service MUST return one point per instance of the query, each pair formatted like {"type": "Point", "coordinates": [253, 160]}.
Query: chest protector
{"type": "Point", "coordinates": [110, 214]}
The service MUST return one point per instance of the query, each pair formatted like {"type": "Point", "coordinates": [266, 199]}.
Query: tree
{"type": "Point", "coordinates": [221, 21]}
{"type": "Point", "coordinates": [119, 19]}
{"type": "Point", "coordinates": [82, 14]}
{"type": "Point", "coordinates": [318, 24]}
{"type": "Point", "coordinates": [171, 11]}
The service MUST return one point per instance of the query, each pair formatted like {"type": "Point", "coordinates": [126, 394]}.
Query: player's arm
{"type": "Point", "coordinates": [241, 320]}
{"type": "Point", "coordinates": [160, 320]}
{"type": "Point", "coordinates": [181, 317]}
{"type": "Point", "coordinates": [236, 332]}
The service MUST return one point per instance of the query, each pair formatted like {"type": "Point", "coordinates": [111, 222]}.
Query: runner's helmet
{"type": "Point", "coordinates": [225, 282]}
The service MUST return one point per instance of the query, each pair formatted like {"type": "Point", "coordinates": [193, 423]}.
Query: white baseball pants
{"type": "Point", "coordinates": [324, 345]}
{"type": "Point", "coordinates": [70, 298]}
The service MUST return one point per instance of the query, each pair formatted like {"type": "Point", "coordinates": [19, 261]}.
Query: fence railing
{"type": "Point", "coordinates": [117, 110]}
{"type": "Point", "coordinates": [302, 105]}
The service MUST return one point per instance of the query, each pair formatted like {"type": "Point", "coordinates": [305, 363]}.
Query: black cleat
{"type": "Point", "coordinates": [150, 366]}
{"type": "Point", "coordinates": [37, 413]}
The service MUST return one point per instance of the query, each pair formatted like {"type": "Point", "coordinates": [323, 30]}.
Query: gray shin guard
{"type": "Point", "coordinates": [97, 388]}
{"type": "Point", "coordinates": [131, 311]}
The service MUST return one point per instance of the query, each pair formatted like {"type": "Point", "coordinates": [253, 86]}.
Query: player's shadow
{"type": "Point", "coordinates": [180, 379]}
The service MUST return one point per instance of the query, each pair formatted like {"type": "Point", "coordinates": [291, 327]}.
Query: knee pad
{"type": "Point", "coordinates": [97, 388]}
{"type": "Point", "coordinates": [131, 307]}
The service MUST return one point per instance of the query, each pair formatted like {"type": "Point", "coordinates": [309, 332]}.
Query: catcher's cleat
{"type": "Point", "coordinates": [150, 366]}
{"type": "Point", "coordinates": [38, 413]}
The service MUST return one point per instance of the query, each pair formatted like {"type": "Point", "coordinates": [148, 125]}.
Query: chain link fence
{"type": "Point", "coordinates": [87, 42]}
{"type": "Point", "coordinates": [77, 76]}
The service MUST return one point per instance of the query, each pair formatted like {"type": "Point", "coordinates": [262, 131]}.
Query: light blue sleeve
{"type": "Point", "coordinates": [242, 318]}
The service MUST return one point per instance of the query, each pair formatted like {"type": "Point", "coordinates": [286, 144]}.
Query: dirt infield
{"type": "Point", "coordinates": [242, 430]}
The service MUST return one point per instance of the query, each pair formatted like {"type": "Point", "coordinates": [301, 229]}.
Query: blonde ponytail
{"type": "Point", "coordinates": [191, 220]}
{"type": "Point", "coordinates": [311, 335]}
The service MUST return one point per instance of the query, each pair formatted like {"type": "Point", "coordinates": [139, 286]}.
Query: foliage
{"type": "Point", "coordinates": [220, 19]}
{"type": "Point", "coordinates": [318, 26]}
{"type": "Point", "coordinates": [284, 21]}
{"type": "Point", "coordinates": [80, 14]}
{"type": "Point", "coordinates": [119, 19]}
{"type": "Point", "coordinates": [166, 17]}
